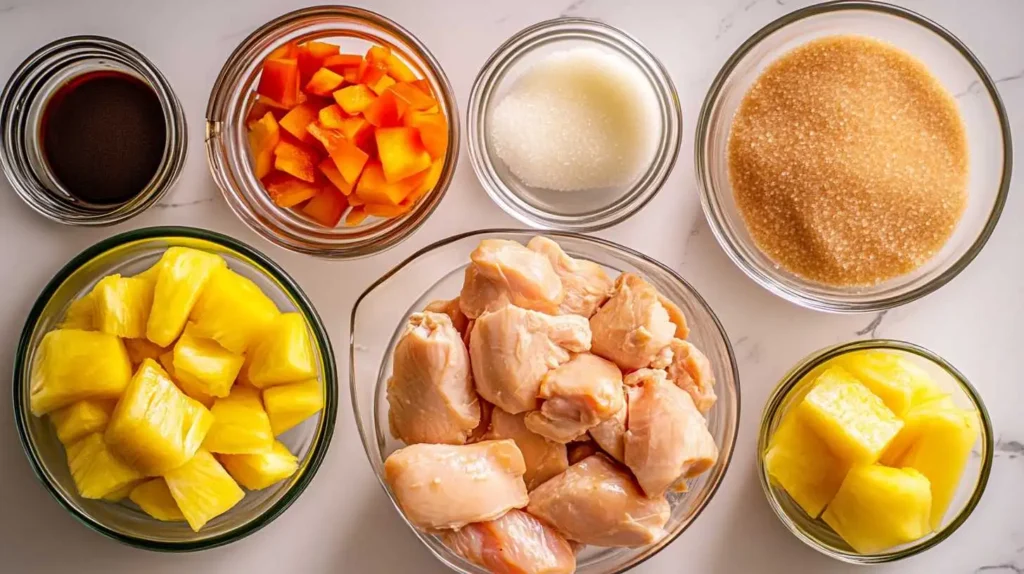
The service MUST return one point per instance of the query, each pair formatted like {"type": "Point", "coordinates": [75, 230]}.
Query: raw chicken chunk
{"type": "Point", "coordinates": [578, 396]}
{"type": "Point", "coordinates": [633, 325]}
{"type": "Point", "coordinates": [586, 284]}
{"type": "Point", "coordinates": [446, 486]}
{"type": "Point", "coordinates": [544, 458]}
{"type": "Point", "coordinates": [597, 502]}
{"type": "Point", "coordinates": [690, 370]}
{"type": "Point", "coordinates": [580, 450]}
{"type": "Point", "coordinates": [608, 435]}
{"type": "Point", "coordinates": [511, 350]}
{"type": "Point", "coordinates": [675, 314]}
{"type": "Point", "coordinates": [516, 543]}
{"type": "Point", "coordinates": [504, 272]}
{"type": "Point", "coordinates": [666, 438]}
{"type": "Point", "coordinates": [430, 391]}
{"type": "Point", "coordinates": [451, 308]}
{"type": "Point", "coordinates": [481, 430]}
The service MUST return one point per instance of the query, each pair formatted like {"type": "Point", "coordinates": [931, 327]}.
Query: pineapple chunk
{"type": "Point", "coordinates": [849, 418]}
{"type": "Point", "coordinates": [121, 493]}
{"type": "Point", "coordinates": [77, 420]}
{"type": "Point", "coordinates": [80, 315]}
{"type": "Point", "coordinates": [122, 305]}
{"type": "Point", "coordinates": [202, 489]}
{"type": "Point", "coordinates": [154, 498]}
{"type": "Point", "coordinates": [878, 507]}
{"type": "Point", "coordinates": [289, 405]}
{"type": "Point", "coordinates": [283, 354]}
{"type": "Point", "coordinates": [97, 472]}
{"type": "Point", "coordinates": [182, 274]}
{"type": "Point", "coordinates": [155, 426]}
{"type": "Point", "coordinates": [206, 362]}
{"type": "Point", "coordinates": [803, 466]}
{"type": "Point", "coordinates": [925, 390]}
{"type": "Point", "coordinates": [883, 374]}
{"type": "Point", "coordinates": [241, 426]}
{"type": "Point", "coordinates": [188, 385]}
{"type": "Point", "coordinates": [151, 274]}
{"type": "Point", "coordinates": [142, 349]}
{"type": "Point", "coordinates": [258, 471]}
{"type": "Point", "coordinates": [73, 365]}
{"type": "Point", "coordinates": [232, 311]}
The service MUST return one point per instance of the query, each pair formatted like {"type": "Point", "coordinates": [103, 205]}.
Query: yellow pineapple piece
{"type": "Point", "coordinates": [152, 273]}
{"type": "Point", "coordinates": [878, 508]}
{"type": "Point", "coordinates": [289, 405]}
{"type": "Point", "coordinates": [155, 426]}
{"type": "Point", "coordinates": [258, 471]}
{"type": "Point", "coordinates": [925, 389]}
{"type": "Point", "coordinates": [848, 417]}
{"type": "Point", "coordinates": [142, 349]}
{"type": "Point", "coordinates": [232, 311]}
{"type": "Point", "coordinates": [96, 470]}
{"type": "Point", "coordinates": [241, 426]}
{"type": "Point", "coordinates": [121, 493]}
{"type": "Point", "coordinates": [154, 498]}
{"type": "Point", "coordinates": [77, 420]}
{"type": "Point", "coordinates": [803, 465]}
{"type": "Point", "coordinates": [206, 362]}
{"type": "Point", "coordinates": [202, 489]}
{"type": "Point", "coordinates": [182, 274]}
{"type": "Point", "coordinates": [884, 375]}
{"type": "Point", "coordinates": [122, 305]}
{"type": "Point", "coordinates": [80, 314]}
{"type": "Point", "coordinates": [73, 365]}
{"type": "Point", "coordinates": [283, 354]}
{"type": "Point", "coordinates": [188, 384]}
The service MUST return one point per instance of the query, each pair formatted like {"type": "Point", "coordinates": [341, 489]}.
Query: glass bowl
{"type": "Point", "coordinates": [814, 532]}
{"type": "Point", "coordinates": [987, 129]}
{"type": "Point", "coordinates": [227, 147]}
{"type": "Point", "coordinates": [436, 272]}
{"type": "Point", "coordinates": [584, 210]}
{"type": "Point", "coordinates": [130, 253]}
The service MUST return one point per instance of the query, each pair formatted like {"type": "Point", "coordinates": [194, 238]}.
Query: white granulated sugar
{"type": "Point", "coordinates": [578, 119]}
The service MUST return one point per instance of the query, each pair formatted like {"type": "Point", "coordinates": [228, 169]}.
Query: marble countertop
{"type": "Point", "coordinates": [343, 522]}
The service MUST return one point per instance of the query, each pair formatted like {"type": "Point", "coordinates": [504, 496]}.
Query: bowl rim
{"type": "Point", "coordinates": [821, 356]}
{"type": "Point", "coordinates": [604, 243]}
{"type": "Point", "coordinates": [709, 193]}
{"type": "Point", "coordinates": [305, 306]}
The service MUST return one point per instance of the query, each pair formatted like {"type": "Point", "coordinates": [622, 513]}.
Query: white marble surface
{"type": "Point", "coordinates": [343, 522]}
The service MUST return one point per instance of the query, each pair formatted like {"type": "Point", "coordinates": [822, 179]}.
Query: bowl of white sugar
{"type": "Point", "coordinates": [573, 125]}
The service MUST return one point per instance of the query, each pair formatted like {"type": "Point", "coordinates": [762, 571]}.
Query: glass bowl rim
{"type": "Point", "coordinates": [604, 244]}
{"type": "Point", "coordinates": [819, 357]}
{"type": "Point", "coordinates": [265, 265]}
{"type": "Point", "coordinates": [487, 81]}
{"type": "Point", "coordinates": [709, 194]}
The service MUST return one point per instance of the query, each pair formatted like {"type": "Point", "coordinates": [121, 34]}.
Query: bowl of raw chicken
{"type": "Point", "coordinates": [553, 403]}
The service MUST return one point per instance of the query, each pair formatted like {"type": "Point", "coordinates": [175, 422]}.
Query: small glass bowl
{"type": "Point", "coordinates": [814, 532]}
{"type": "Point", "coordinates": [585, 210]}
{"type": "Point", "coordinates": [988, 136]}
{"type": "Point", "coordinates": [436, 272]}
{"type": "Point", "coordinates": [130, 253]}
{"type": "Point", "coordinates": [227, 146]}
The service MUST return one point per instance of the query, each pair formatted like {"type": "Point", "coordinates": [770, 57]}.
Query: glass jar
{"type": "Point", "coordinates": [24, 100]}
{"type": "Point", "coordinates": [227, 146]}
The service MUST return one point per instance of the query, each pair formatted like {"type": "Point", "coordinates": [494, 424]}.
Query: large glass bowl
{"type": "Point", "coordinates": [130, 253]}
{"type": "Point", "coordinates": [985, 120]}
{"type": "Point", "coordinates": [814, 532]}
{"type": "Point", "coordinates": [436, 272]}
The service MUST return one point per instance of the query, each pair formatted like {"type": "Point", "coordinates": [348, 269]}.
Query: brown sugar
{"type": "Point", "coordinates": [848, 160]}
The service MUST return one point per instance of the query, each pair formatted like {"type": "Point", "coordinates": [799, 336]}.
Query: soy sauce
{"type": "Point", "coordinates": [103, 136]}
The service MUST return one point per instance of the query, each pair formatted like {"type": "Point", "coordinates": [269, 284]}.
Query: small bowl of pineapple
{"type": "Point", "coordinates": [874, 451]}
{"type": "Point", "coordinates": [174, 389]}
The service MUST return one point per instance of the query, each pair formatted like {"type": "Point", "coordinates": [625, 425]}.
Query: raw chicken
{"type": "Point", "coordinates": [504, 272]}
{"type": "Point", "coordinates": [516, 543]}
{"type": "Point", "coordinates": [578, 396]}
{"type": "Point", "coordinates": [445, 486]}
{"type": "Point", "coordinates": [544, 458]}
{"type": "Point", "coordinates": [586, 284]}
{"type": "Point", "coordinates": [675, 314]}
{"type": "Point", "coordinates": [430, 391]}
{"type": "Point", "coordinates": [633, 325]}
{"type": "Point", "coordinates": [451, 308]}
{"type": "Point", "coordinates": [580, 450]}
{"type": "Point", "coordinates": [666, 437]}
{"type": "Point", "coordinates": [597, 502]}
{"type": "Point", "coordinates": [511, 350]}
{"type": "Point", "coordinates": [608, 435]}
{"type": "Point", "coordinates": [690, 370]}
{"type": "Point", "coordinates": [481, 430]}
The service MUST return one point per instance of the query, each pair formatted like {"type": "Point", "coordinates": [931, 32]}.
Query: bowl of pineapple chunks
{"type": "Point", "coordinates": [874, 451]}
{"type": "Point", "coordinates": [174, 389]}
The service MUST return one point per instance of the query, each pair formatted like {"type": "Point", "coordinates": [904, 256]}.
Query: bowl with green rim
{"type": "Point", "coordinates": [130, 253]}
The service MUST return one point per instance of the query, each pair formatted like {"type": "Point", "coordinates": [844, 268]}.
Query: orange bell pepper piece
{"type": "Point", "coordinates": [385, 211]}
{"type": "Point", "coordinates": [355, 201]}
{"type": "Point", "coordinates": [286, 191]}
{"type": "Point", "coordinates": [295, 121]}
{"type": "Point", "coordinates": [332, 117]}
{"type": "Point", "coordinates": [354, 99]}
{"type": "Point", "coordinates": [280, 81]}
{"type": "Point", "coordinates": [433, 128]}
{"type": "Point", "coordinates": [295, 159]}
{"type": "Point", "coordinates": [356, 216]}
{"type": "Point", "coordinates": [433, 175]}
{"type": "Point", "coordinates": [382, 84]}
{"type": "Point", "coordinates": [401, 152]}
{"type": "Point", "coordinates": [311, 57]}
{"type": "Point", "coordinates": [330, 171]}
{"type": "Point", "coordinates": [399, 70]}
{"type": "Point", "coordinates": [289, 50]}
{"type": "Point", "coordinates": [342, 62]}
{"type": "Point", "coordinates": [414, 98]}
{"type": "Point", "coordinates": [373, 186]}
{"type": "Point", "coordinates": [385, 111]}
{"type": "Point", "coordinates": [326, 206]}
{"type": "Point", "coordinates": [324, 82]}
{"type": "Point", "coordinates": [424, 85]}
{"type": "Point", "coordinates": [357, 130]}
{"type": "Point", "coordinates": [264, 135]}
{"type": "Point", "coordinates": [351, 75]}
{"type": "Point", "coordinates": [347, 157]}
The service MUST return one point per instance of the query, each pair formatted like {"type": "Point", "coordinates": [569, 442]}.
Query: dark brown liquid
{"type": "Point", "coordinates": [103, 136]}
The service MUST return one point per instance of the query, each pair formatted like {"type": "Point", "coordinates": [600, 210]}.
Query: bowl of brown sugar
{"type": "Point", "coordinates": [853, 156]}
